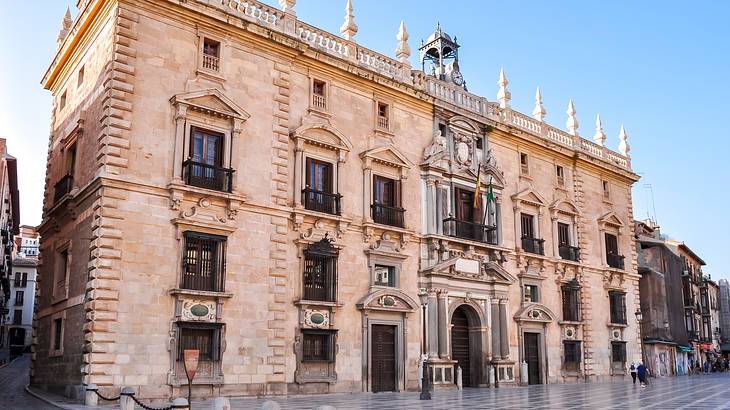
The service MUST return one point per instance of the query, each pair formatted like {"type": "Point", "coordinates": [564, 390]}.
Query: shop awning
{"type": "Point", "coordinates": [684, 349]}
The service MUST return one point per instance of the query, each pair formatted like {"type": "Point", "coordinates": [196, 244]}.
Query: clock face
{"type": "Point", "coordinates": [457, 78]}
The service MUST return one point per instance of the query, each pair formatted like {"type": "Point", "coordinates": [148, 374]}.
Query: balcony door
{"type": "Point", "coordinates": [465, 205]}
{"type": "Point", "coordinates": [319, 176]}
{"type": "Point", "coordinates": [206, 148]}
{"type": "Point", "coordinates": [527, 225]}
{"type": "Point", "coordinates": [563, 234]}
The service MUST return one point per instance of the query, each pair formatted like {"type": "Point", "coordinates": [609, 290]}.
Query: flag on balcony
{"type": "Point", "coordinates": [491, 204]}
{"type": "Point", "coordinates": [478, 190]}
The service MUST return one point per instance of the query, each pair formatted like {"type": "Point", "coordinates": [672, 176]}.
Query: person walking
{"type": "Point", "coordinates": [641, 373]}
{"type": "Point", "coordinates": [632, 371]}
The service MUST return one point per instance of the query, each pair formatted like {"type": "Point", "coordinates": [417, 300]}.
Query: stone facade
{"type": "Point", "coordinates": [293, 205]}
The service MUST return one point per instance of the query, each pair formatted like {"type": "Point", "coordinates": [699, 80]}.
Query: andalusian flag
{"type": "Point", "coordinates": [478, 190]}
{"type": "Point", "coordinates": [491, 204]}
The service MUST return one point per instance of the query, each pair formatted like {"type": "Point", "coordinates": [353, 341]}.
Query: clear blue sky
{"type": "Point", "coordinates": [662, 68]}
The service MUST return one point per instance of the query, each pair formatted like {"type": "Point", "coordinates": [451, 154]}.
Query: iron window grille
{"type": "Point", "coordinates": [205, 337]}
{"type": "Point", "coordinates": [618, 352]}
{"type": "Point", "coordinates": [617, 301]}
{"type": "Point", "coordinates": [571, 355]}
{"type": "Point", "coordinates": [204, 262]}
{"type": "Point", "coordinates": [571, 301]}
{"type": "Point", "coordinates": [57, 333]}
{"type": "Point", "coordinates": [320, 271]}
{"type": "Point", "coordinates": [318, 345]}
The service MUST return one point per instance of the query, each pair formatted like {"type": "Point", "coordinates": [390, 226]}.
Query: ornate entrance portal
{"type": "Point", "coordinates": [460, 344]}
{"type": "Point", "coordinates": [532, 357]}
{"type": "Point", "coordinates": [383, 356]}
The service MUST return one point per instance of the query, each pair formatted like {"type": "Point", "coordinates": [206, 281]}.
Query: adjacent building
{"type": "Point", "coordinates": [22, 290]}
{"type": "Point", "coordinates": [313, 216]}
{"type": "Point", "coordinates": [9, 226]}
{"type": "Point", "coordinates": [724, 300]}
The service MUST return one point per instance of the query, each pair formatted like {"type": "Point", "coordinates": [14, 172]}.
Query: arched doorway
{"type": "Point", "coordinates": [465, 345]}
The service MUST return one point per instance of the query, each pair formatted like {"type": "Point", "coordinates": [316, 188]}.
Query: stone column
{"type": "Point", "coordinates": [432, 325]}
{"type": "Point", "coordinates": [504, 336]}
{"type": "Point", "coordinates": [496, 328]}
{"type": "Point", "coordinates": [443, 297]}
{"type": "Point", "coordinates": [556, 244]}
{"type": "Point", "coordinates": [430, 206]}
{"type": "Point", "coordinates": [233, 151]}
{"type": "Point", "coordinates": [488, 326]}
{"type": "Point", "coordinates": [179, 143]}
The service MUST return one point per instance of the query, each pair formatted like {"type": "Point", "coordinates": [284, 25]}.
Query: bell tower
{"type": "Point", "coordinates": [442, 52]}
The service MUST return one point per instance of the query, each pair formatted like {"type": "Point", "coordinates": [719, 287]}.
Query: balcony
{"type": "Point", "coordinates": [615, 261]}
{"type": "Point", "coordinates": [570, 253]}
{"type": "Point", "coordinates": [533, 245]}
{"type": "Point", "coordinates": [207, 176]}
{"type": "Point", "coordinates": [321, 201]}
{"type": "Point", "coordinates": [210, 62]}
{"type": "Point", "coordinates": [470, 230]}
{"type": "Point", "coordinates": [388, 215]}
{"type": "Point", "coordinates": [62, 188]}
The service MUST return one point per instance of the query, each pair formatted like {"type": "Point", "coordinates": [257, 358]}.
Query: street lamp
{"type": "Point", "coordinates": [639, 318]}
{"type": "Point", "coordinates": [426, 376]}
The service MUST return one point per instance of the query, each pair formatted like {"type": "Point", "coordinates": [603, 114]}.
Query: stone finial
{"type": "Point", "coordinates": [623, 146]}
{"type": "Point", "coordinates": [403, 51]}
{"type": "Point", "coordinates": [65, 27]}
{"type": "Point", "coordinates": [600, 136]}
{"type": "Point", "coordinates": [572, 122]}
{"type": "Point", "coordinates": [539, 112]}
{"type": "Point", "coordinates": [349, 28]}
{"type": "Point", "coordinates": [503, 95]}
{"type": "Point", "coordinates": [287, 6]}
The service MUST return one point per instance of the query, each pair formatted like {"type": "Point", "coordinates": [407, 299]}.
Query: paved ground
{"type": "Point", "coordinates": [13, 379]}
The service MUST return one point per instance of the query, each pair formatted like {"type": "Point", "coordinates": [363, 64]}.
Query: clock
{"type": "Point", "coordinates": [457, 78]}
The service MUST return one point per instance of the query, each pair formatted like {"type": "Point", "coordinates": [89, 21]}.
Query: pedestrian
{"type": "Point", "coordinates": [641, 373]}
{"type": "Point", "coordinates": [632, 370]}
{"type": "Point", "coordinates": [707, 366]}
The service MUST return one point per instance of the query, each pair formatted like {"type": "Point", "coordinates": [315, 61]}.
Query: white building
{"type": "Point", "coordinates": [22, 290]}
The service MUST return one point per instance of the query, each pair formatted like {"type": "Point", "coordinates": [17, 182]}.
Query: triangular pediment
{"type": "Point", "coordinates": [210, 101]}
{"type": "Point", "coordinates": [463, 124]}
{"type": "Point", "coordinates": [499, 274]}
{"type": "Point", "coordinates": [535, 312]}
{"type": "Point", "coordinates": [387, 155]}
{"type": "Point", "coordinates": [565, 206]}
{"type": "Point", "coordinates": [611, 219]}
{"type": "Point", "coordinates": [530, 196]}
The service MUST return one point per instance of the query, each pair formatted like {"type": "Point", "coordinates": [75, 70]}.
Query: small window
{"type": "Point", "coordinates": [319, 94]}
{"type": "Point", "coordinates": [61, 270]}
{"type": "Point", "coordinates": [80, 77]}
{"type": "Point", "coordinates": [617, 301]}
{"type": "Point", "coordinates": [211, 54]}
{"type": "Point", "coordinates": [618, 352]}
{"type": "Point", "coordinates": [18, 317]}
{"type": "Point", "coordinates": [204, 262]}
{"type": "Point", "coordinates": [62, 101]}
{"type": "Point", "coordinates": [480, 143]}
{"type": "Point", "coordinates": [383, 116]}
{"type": "Point", "coordinates": [57, 334]}
{"type": "Point", "coordinates": [571, 355]}
{"type": "Point", "coordinates": [71, 159]}
{"type": "Point", "coordinates": [531, 293]}
{"type": "Point", "coordinates": [318, 345]}
{"type": "Point", "coordinates": [524, 164]}
{"type": "Point", "coordinates": [385, 275]}
{"type": "Point", "coordinates": [202, 337]}
{"type": "Point", "coordinates": [560, 175]}
{"type": "Point", "coordinates": [606, 190]}
{"type": "Point", "coordinates": [19, 296]}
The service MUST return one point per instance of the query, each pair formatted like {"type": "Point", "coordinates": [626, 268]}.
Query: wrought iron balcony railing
{"type": "Point", "coordinates": [388, 215]}
{"type": "Point", "coordinates": [571, 253]}
{"type": "Point", "coordinates": [533, 245]}
{"type": "Point", "coordinates": [208, 176]}
{"type": "Point", "coordinates": [470, 230]}
{"type": "Point", "coordinates": [615, 261]}
{"type": "Point", "coordinates": [63, 187]}
{"type": "Point", "coordinates": [321, 201]}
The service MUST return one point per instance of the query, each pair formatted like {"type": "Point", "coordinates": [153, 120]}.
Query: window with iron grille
{"type": "Point", "coordinates": [618, 352]}
{"type": "Point", "coordinates": [617, 300]}
{"type": "Point", "coordinates": [571, 355]}
{"type": "Point", "coordinates": [571, 302]}
{"type": "Point", "coordinates": [320, 271]}
{"type": "Point", "coordinates": [318, 345]}
{"type": "Point", "coordinates": [57, 334]}
{"type": "Point", "coordinates": [204, 337]}
{"type": "Point", "coordinates": [204, 262]}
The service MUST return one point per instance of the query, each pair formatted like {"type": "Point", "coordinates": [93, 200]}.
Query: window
{"type": "Point", "coordinates": [57, 339]}
{"type": "Point", "coordinates": [318, 191]}
{"type": "Point", "coordinates": [383, 116]}
{"type": "Point", "coordinates": [386, 201]}
{"type": "Point", "coordinates": [80, 77]}
{"type": "Point", "coordinates": [18, 317]}
{"type": "Point", "coordinates": [531, 293]}
{"type": "Point", "coordinates": [560, 175]}
{"type": "Point", "coordinates": [571, 302]}
{"type": "Point", "coordinates": [385, 275]}
{"type": "Point", "coordinates": [617, 300]}
{"type": "Point", "coordinates": [203, 262]}
{"type": "Point", "coordinates": [62, 101]}
{"type": "Point", "coordinates": [571, 355]}
{"type": "Point", "coordinates": [71, 159]}
{"type": "Point", "coordinates": [563, 234]}
{"type": "Point", "coordinates": [464, 205]}
{"type": "Point", "coordinates": [529, 242]}
{"type": "Point", "coordinates": [61, 273]}
{"type": "Point", "coordinates": [480, 143]}
{"type": "Point", "coordinates": [318, 345]}
{"type": "Point", "coordinates": [320, 272]}
{"type": "Point", "coordinates": [211, 54]}
{"type": "Point", "coordinates": [689, 321]}
{"type": "Point", "coordinates": [24, 280]}
{"type": "Point", "coordinates": [19, 296]}
{"type": "Point", "coordinates": [204, 167]}
{"type": "Point", "coordinates": [524, 164]}
{"type": "Point", "coordinates": [16, 280]}
{"type": "Point", "coordinates": [613, 258]}
{"type": "Point", "coordinates": [319, 94]}
{"type": "Point", "coordinates": [527, 225]}
{"type": "Point", "coordinates": [618, 352]}
{"type": "Point", "coordinates": [204, 337]}
{"type": "Point", "coordinates": [565, 248]}
{"type": "Point", "coordinates": [606, 190]}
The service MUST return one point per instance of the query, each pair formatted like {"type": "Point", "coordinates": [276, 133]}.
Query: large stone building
{"type": "Point", "coordinates": [9, 226]}
{"type": "Point", "coordinates": [314, 216]}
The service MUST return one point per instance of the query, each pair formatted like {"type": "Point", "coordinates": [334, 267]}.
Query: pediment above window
{"type": "Point", "coordinates": [391, 300]}
{"type": "Point", "coordinates": [535, 312]}
{"type": "Point", "coordinates": [322, 134]}
{"type": "Point", "coordinates": [610, 219]}
{"type": "Point", "coordinates": [529, 197]}
{"type": "Point", "coordinates": [387, 155]}
{"type": "Point", "coordinates": [211, 102]}
{"type": "Point", "coordinates": [564, 206]}
{"type": "Point", "coordinates": [472, 269]}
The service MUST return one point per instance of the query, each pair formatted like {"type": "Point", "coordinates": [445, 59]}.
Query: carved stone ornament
{"type": "Point", "coordinates": [388, 301]}
{"type": "Point", "coordinates": [317, 319]}
{"type": "Point", "coordinates": [436, 149]}
{"type": "Point", "coordinates": [462, 148]}
{"type": "Point", "coordinates": [203, 211]}
{"type": "Point", "coordinates": [569, 332]}
{"type": "Point", "coordinates": [198, 310]}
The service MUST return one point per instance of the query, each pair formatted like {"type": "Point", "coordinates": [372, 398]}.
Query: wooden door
{"type": "Point", "coordinates": [532, 357]}
{"type": "Point", "coordinates": [383, 358]}
{"type": "Point", "coordinates": [460, 345]}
